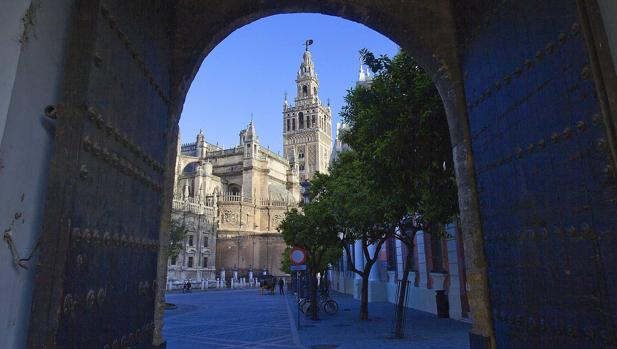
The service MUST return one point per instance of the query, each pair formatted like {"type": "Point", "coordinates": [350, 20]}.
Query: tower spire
{"type": "Point", "coordinates": [311, 117]}
{"type": "Point", "coordinates": [362, 75]}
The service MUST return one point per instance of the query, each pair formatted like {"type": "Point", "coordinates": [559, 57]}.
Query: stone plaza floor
{"type": "Point", "coordinates": [246, 319]}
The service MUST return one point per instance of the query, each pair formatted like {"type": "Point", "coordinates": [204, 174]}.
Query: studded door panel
{"type": "Point", "coordinates": [96, 284]}
{"type": "Point", "coordinates": [547, 197]}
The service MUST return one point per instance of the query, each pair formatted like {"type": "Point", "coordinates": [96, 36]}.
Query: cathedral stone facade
{"type": "Point", "coordinates": [231, 201]}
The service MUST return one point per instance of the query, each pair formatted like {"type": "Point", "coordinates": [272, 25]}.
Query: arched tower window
{"type": "Point", "coordinates": [234, 189]}
{"type": "Point", "coordinates": [315, 91]}
{"type": "Point", "coordinates": [304, 91]}
{"type": "Point", "coordinates": [301, 120]}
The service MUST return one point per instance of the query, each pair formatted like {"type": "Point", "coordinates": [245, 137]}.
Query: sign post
{"type": "Point", "coordinates": [297, 256]}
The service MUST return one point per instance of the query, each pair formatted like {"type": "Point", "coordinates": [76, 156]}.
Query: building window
{"type": "Point", "coordinates": [205, 265]}
{"type": "Point", "coordinates": [301, 155]}
{"type": "Point", "coordinates": [173, 260]}
{"type": "Point", "coordinates": [205, 241]}
{"type": "Point", "coordinates": [302, 167]}
{"type": "Point", "coordinates": [293, 124]}
{"type": "Point", "coordinates": [301, 120]}
{"type": "Point", "coordinates": [391, 254]}
{"type": "Point", "coordinates": [190, 240]}
{"type": "Point", "coordinates": [437, 253]}
{"type": "Point", "coordinates": [190, 263]}
{"type": "Point", "coordinates": [304, 90]}
{"type": "Point", "coordinates": [288, 125]}
{"type": "Point", "coordinates": [234, 190]}
{"type": "Point", "coordinates": [313, 121]}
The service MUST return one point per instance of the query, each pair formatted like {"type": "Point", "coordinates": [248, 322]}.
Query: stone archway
{"type": "Point", "coordinates": [535, 129]}
{"type": "Point", "coordinates": [436, 51]}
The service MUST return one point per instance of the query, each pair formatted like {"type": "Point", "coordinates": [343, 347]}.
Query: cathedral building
{"type": "Point", "coordinates": [231, 201]}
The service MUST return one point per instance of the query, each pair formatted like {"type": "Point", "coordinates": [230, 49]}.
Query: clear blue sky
{"type": "Point", "coordinates": [251, 69]}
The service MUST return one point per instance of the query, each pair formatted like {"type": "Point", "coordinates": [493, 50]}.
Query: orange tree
{"type": "Point", "coordinates": [312, 228]}
{"type": "Point", "coordinates": [360, 216]}
{"type": "Point", "coordinates": [397, 127]}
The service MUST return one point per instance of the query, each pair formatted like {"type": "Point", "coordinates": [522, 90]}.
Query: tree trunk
{"type": "Point", "coordinates": [364, 296]}
{"type": "Point", "coordinates": [314, 298]}
{"type": "Point", "coordinates": [398, 327]}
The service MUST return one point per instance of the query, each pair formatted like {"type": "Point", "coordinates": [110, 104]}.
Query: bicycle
{"type": "Point", "coordinates": [329, 305]}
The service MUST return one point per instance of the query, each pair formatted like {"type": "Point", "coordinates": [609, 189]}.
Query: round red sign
{"type": "Point", "coordinates": [297, 256]}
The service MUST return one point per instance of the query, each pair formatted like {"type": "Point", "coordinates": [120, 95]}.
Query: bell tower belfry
{"type": "Point", "coordinates": [307, 125]}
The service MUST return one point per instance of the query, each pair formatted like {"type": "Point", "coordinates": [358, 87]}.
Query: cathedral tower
{"type": "Point", "coordinates": [307, 125]}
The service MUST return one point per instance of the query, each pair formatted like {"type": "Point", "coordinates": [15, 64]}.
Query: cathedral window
{"type": "Point", "coordinates": [301, 155]}
{"type": "Point", "coordinates": [190, 240]}
{"type": "Point", "coordinates": [301, 120]}
{"type": "Point", "coordinates": [205, 262]}
{"type": "Point", "coordinates": [301, 167]}
{"type": "Point", "coordinates": [173, 260]}
{"type": "Point", "coordinates": [293, 124]}
{"type": "Point", "coordinates": [288, 124]}
{"type": "Point", "coordinates": [313, 121]}
{"type": "Point", "coordinates": [304, 91]}
{"type": "Point", "coordinates": [190, 262]}
{"type": "Point", "coordinates": [437, 255]}
{"type": "Point", "coordinates": [234, 190]}
{"type": "Point", "coordinates": [205, 241]}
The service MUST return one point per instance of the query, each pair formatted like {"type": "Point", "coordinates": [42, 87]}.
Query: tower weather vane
{"type": "Point", "coordinates": [308, 43]}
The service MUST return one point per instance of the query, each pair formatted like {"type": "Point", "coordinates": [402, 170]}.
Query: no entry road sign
{"type": "Point", "coordinates": [297, 255]}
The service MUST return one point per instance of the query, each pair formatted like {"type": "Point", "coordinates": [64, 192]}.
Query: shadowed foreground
{"type": "Point", "coordinates": [246, 319]}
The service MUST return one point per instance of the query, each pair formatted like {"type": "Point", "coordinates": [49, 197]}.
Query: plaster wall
{"type": "Point", "coordinates": [11, 31]}
{"type": "Point", "coordinates": [609, 14]}
{"type": "Point", "coordinates": [30, 79]}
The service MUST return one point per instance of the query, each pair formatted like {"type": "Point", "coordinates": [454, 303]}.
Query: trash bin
{"type": "Point", "coordinates": [443, 306]}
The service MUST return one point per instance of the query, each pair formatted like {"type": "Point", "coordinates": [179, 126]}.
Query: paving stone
{"type": "Point", "coordinates": [246, 319]}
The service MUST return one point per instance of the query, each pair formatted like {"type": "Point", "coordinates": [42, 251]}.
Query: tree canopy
{"type": "Point", "coordinates": [397, 126]}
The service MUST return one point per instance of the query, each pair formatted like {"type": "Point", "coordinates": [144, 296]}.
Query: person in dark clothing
{"type": "Point", "coordinates": [281, 286]}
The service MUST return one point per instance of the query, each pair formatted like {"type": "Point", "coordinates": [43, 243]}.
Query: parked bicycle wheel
{"type": "Point", "coordinates": [302, 301]}
{"type": "Point", "coordinates": [330, 307]}
{"type": "Point", "coordinates": [306, 307]}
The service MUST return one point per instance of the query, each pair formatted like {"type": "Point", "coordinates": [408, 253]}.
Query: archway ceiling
{"type": "Point", "coordinates": [423, 28]}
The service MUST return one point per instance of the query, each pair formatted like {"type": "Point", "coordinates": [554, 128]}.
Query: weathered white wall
{"type": "Point", "coordinates": [419, 297]}
{"type": "Point", "coordinates": [609, 14]}
{"type": "Point", "coordinates": [11, 30]}
{"type": "Point", "coordinates": [30, 74]}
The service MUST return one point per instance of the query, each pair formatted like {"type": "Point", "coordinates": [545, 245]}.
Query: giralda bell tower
{"type": "Point", "coordinates": [307, 125]}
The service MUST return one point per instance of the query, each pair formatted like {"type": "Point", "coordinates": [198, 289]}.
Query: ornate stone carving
{"type": "Point", "coordinates": [277, 219]}
{"type": "Point", "coordinates": [231, 217]}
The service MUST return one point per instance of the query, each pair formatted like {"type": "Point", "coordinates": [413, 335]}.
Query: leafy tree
{"type": "Point", "coordinates": [360, 216]}
{"type": "Point", "coordinates": [398, 128]}
{"type": "Point", "coordinates": [285, 261]}
{"type": "Point", "coordinates": [313, 229]}
{"type": "Point", "coordinates": [176, 238]}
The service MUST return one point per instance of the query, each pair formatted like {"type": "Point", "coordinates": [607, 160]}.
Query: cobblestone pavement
{"type": "Point", "coordinates": [345, 330]}
{"type": "Point", "coordinates": [246, 319]}
{"type": "Point", "coordinates": [227, 319]}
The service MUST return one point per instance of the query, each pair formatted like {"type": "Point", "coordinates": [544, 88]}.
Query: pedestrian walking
{"type": "Point", "coordinates": [273, 287]}
{"type": "Point", "coordinates": [281, 286]}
